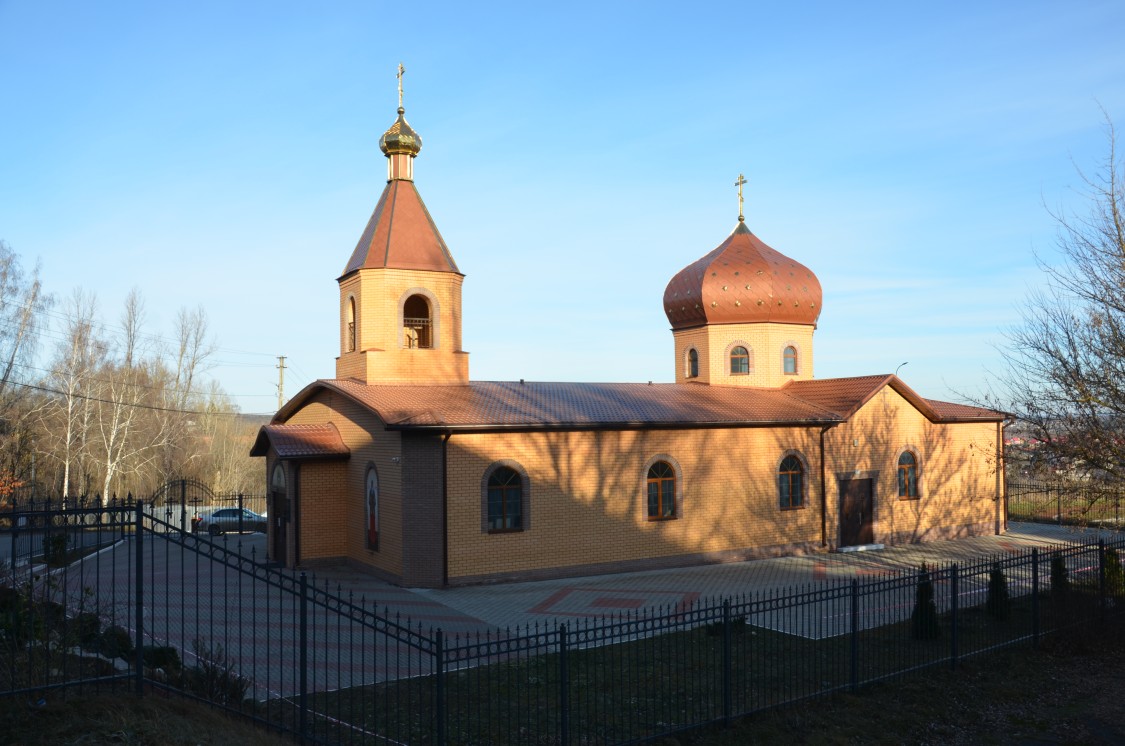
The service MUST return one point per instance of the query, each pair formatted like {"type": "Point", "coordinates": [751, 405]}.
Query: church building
{"type": "Point", "coordinates": [405, 466]}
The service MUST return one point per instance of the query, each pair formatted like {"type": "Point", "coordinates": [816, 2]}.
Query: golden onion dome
{"type": "Point", "coordinates": [400, 138]}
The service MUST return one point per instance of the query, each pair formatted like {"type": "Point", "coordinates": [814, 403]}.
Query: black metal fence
{"type": "Point", "coordinates": [119, 596]}
{"type": "Point", "coordinates": [1075, 503]}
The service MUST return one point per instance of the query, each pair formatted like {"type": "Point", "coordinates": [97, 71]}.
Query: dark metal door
{"type": "Point", "coordinates": [856, 512]}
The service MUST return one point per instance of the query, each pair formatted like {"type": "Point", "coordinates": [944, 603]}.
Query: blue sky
{"type": "Point", "coordinates": [575, 158]}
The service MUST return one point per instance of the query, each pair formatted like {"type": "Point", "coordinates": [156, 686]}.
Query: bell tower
{"type": "Point", "coordinates": [400, 292]}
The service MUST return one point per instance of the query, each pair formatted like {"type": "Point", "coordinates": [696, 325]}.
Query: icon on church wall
{"type": "Point", "coordinates": [372, 492]}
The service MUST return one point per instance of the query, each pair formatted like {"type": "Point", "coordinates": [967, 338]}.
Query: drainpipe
{"type": "Point", "coordinates": [824, 489]}
{"type": "Point", "coordinates": [445, 508]}
{"type": "Point", "coordinates": [1001, 481]}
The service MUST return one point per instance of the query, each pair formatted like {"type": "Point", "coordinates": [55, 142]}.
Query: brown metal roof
{"type": "Point", "coordinates": [844, 397]}
{"type": "Point", "coordinates": [951, 412]}
{"type": "Point", "coordinates": [501, 405]}
{"type": "Point", "coordinates": [301, 441]}
{"type": "Point", "coordinates": [487, 405]}
{"type": "Point", "coordinates": [401, 235]}
{"type": "Point", "coordinates": [742, 281]}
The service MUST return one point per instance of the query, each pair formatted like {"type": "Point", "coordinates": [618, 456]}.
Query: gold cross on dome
{"type": "Point", "coordinates": [401, 70]}
{"type": "Point", "coordinates": [739, 183]}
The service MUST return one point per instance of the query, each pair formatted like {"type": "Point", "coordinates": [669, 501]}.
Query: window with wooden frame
{"type": "Point", "coordinates": [739, 361]}
{"type": "Point", "coordinates": [692, 363]}
{"type": "Point", "coordinates": [505, 500]}
{"type": "Point", "coordinates": [791, 483]}
{"type": "Point", "coordinates": [789, 361]}
{"type": "Point", "coordinates": [661, 491]}
{"type": "Point", "coordinates": [908, 476]}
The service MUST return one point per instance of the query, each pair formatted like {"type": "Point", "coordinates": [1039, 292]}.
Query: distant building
{"type": "Point", "coordinates": [404, 466]}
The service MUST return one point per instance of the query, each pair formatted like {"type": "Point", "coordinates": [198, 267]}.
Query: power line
{"type": "Point", "coordinates": [48, 390]}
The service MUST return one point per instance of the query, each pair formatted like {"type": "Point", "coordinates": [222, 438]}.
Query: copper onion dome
{"type": "Point", "coordinates": [743, 281]}
{"type": "Point", "coordinates": [400, 138]}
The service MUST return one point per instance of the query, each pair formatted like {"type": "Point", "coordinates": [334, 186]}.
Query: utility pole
{"type": "Point", "coordinates": [280, 380]}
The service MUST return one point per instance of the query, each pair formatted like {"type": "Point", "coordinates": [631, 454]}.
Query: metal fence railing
{"type": "Point", "coordinates": [118, 596]}
{"type": "Point", "coordinates": [1074, 503]}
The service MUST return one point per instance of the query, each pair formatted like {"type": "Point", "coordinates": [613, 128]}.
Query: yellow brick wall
{"type": "Point", "coordinates": [587, 498]}
{"type": "Point", "coordinates": [956, 470]}
{"type": "Point", "coordinates": [766, 343]}
{"type": "Point", "coordinates": [587, 502]}
{"type": "Point", "coordinates": [332, 497]}
{"type": "Point", "coordinates": [380, 355]}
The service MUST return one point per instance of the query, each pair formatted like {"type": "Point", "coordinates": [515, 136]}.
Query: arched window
{"type": "Point", "coordinates": [505, 500]}
{"type": "Point", "coordinates": [371, 502]}
{"type": "Point", "coordinates": [791, 483]}
{"type": "Point", "coordinates": [692, 363]}
{"type": "Point", "coordinates": [417, 324]}
{"type": "Point", "coordinates": [790, 360]}
{"type": "Point", "coordinates": [739, 361]}
{"type": "Point", "coordinates": [349, 333]}
{"type": "Point", "coordinates": [661, 491]}
{"type": "Point", "coordinates": [277, 479]}
{"type": "Point", "coordinates": [907, 476]}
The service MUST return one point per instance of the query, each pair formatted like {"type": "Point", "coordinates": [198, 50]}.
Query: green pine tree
{"type": "Point", "coordinates": [1114, 577]}
{"type": "Point", "coordinates": [998, 605]}
{"type": "Point", "coordinates": [924, 623]}
{"type": "Point", "coordinates": [1060, 579]}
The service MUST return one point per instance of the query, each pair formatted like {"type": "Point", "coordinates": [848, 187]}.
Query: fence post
{"type": "Point", "coordinates": [564, 686]}
{"type": "Point", "coordinates": [1058, 505]}
{"type": "Point", "coordinates": [1035, 596]}
{"type": "Point", "coordinates": [138, 538]}
{"type": "Point", "coordinates": [954, 595]}
{"type": "Point", "coordinates": [855, 634]}
{"type": "Point", "coordinates": [1101, 581]}
{"type": "Point", "coordinates": [439, 686]}
{"type": "Point", "coordinates": [183, 505]}
{"type": "Point", "coordinates": [304, 656]}
{"type": "Point", "coordinates": [727, 698]}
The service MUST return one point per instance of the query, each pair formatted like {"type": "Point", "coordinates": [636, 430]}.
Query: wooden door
{"type": "Point", "coordinates": [279, 525]}
{"type": "Point", "coordinates": [856, 512]}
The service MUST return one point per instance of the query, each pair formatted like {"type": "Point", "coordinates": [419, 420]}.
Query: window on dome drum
{"type": "Point", "coordinates": [790, 358]}
{"type": "Point", "coordinates": [791, 482]}
{"type": "Point", "coordinates": [907, 476]}
{"type": "Point", "coordinates": [416, 323]}
{"type": "Point", "coordinates": [349, 346]}
{"type": "Point", "coordinates": [739, 361]}
{"type": "Point", "coordinates": [661, 491]}
{"type": "Point", "coordinates": [692, 363]}
{"type": "Point", "coordinates": [505, 500]}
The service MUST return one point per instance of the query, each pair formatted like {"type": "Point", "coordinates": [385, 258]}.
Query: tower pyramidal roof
{"type": "Point", "coordinates": [401, 234]}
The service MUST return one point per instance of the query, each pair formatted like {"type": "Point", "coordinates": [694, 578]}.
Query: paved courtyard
{"type": "Point", "coordinates": [511, 605]}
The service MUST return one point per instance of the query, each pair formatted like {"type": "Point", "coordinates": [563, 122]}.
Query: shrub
{"type": "Point", "coordinates": [162, 656]}
{"type": "Point", "coordinates": [924, 623]}
{"type": "Point", "coordinates": [115, 642]}
{"type": "Point", "coordinates": [87, 629]}
{"type": "Point", "coordinates": [998, 605]}
{"type": "Point", "coordinates": [215, 678]}
{"type": "Point", "coordinates": [54, 549]}
{"type": "Point", "coordinates": [1060, 579]}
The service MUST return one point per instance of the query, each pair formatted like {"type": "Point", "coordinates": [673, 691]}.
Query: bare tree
{"type": "Point", "coordinates": [78, 356]}
{"type": "Point", "coordinates": [22, 303]}
{"type": "Point", "coordinates": [125, 389]}
{"type": "Point", "coordinates": [193, 348]}
{"type": "Point", "coordinates": [1065, 362]}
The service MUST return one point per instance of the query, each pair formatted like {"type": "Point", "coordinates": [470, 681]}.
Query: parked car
{"type": "Point", "coordinates": [220, 521]}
